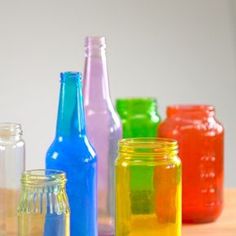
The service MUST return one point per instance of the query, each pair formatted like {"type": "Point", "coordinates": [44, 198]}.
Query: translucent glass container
{"type": "Point", "coordinates": [12, 164]}
{"type": "Point", "coordinates": [104, 128]}
{"type": "Point", "coordinates": [72, 153]}
{"type": "Point", "coordinates": [43, 207]}
{"type": "Point", "coordinates": [139, 117]}
{"type": "Point", "coordinates": [149, 205]}
{"type": "Point", "coordinates": [201, 148]}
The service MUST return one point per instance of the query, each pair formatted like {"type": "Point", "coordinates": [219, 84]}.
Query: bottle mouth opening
{"type": "Point", "coordinates": [41, 177]}
{"type": "Point", "coordinates": [71, 76]}
{"type": "Point", "coordinates": [190, 109]}
{"type": "Point", "coordinates": [149, 146]}
{"type": "Point", "coordinates": [8, 129]}
{"type": "Point", "coordinates": [95, 42]}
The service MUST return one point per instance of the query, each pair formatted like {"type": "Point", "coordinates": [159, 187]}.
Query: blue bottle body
{"type": "Point", "coordinates": [72, 153]}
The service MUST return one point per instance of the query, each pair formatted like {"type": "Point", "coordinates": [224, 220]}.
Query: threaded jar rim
{"type": "Point", "coordinates": [43, 177]}
{"type": "Point", "coordinates": [190, 109]}
{"type": "Point", "coordinates": [8, 129]}
{"type": "Point", "coordinates": [149, 146]}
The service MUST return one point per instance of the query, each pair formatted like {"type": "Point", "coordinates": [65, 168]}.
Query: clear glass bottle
{"type": "Point", "coordinates": [151, 205]}
{"type": "Point", "coordinates": [43, 207]}
{"type": "Point", "coordinates": [12, 164]}
{"type": "Point", "coordinates": [104, 128]}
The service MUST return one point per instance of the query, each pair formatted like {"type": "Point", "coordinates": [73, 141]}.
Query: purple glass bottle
{"type": "Point", "coordinates": [104, 128]}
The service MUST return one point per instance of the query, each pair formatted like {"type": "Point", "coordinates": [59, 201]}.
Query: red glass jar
{"type": "Point", "coordinates": [201, 149]}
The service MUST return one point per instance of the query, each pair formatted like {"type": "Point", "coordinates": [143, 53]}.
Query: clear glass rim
{"type": "Point", "coordinates": [39, 177]}
{"type": "Point", "coordinates": [8, 129]}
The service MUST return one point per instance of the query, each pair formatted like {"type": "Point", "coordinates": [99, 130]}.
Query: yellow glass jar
{"type": "Point", "coordinates": [43, 207]}
{"type": "Point", "coordinates": [149, 205]}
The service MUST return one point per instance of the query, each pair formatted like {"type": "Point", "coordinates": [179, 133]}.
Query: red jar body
{"type": "Point", "coordinates": [201, 149]}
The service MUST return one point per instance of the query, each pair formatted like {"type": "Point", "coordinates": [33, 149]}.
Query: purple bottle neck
{"type": "Point", "coordinates": [96, 86]}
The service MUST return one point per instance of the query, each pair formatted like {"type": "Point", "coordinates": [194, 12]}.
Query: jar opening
{"type": "Point", "coordinates": [42, 177]}
{"type": "Point", "coordinates": [10, 129]}
{"type": "Point", "coordinates": [200, 110]}
{"type": "Point", "coordinates": [135, 105]}
{"type": "Point", "coordinates": [149, 146]}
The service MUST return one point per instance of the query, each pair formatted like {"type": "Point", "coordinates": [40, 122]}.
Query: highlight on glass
{"type": "Point", "coordinates": [148, 204]}
{"type": "Point", "coordinates": [43, 207]}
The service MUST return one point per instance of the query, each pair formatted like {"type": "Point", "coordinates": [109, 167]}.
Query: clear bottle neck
{"type": "Point", "coordinates": [96, 85]}
{"type": "Point", "coordinates": [71, 120]}
{"type": "Point", "coordinates": [10, 132]}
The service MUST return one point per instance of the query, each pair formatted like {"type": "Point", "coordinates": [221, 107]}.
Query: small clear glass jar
{"type": "Point", "coordinates": [148, 204]}
{"type": "Point", "coordinates": [43, 207]}
{"type": "Point", "coordinates": [12, 164]}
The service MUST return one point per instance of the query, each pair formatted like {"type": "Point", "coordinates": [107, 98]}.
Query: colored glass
{"type": "Point", "coordinates": [139, 117]}
{"type": "Point", "coordinates": [72, 153]}
{"type": "Point", "coordinates": [153, 207]}
{"type": "Point", "coordinates": [43, 200]}
{"type": "Point", "coordinates": [200, 137]}
{"type": "Point", "coordinates": [103, 128]}
{"type": "Point", "coordinates": [12, 164]}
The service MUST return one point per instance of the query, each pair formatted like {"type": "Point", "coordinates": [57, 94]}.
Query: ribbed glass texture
{"type": "Point", "coordinates": [201, 149]}
{"type": "Point", "coordinates": [12, 164]}
{"type": "Point", "coordinates": [43, 208]}
{"type": "Point", "coordinates": [151, 204]}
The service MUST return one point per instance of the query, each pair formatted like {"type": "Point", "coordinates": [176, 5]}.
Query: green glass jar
{"type": "Point", "coordinates": [139, 117]}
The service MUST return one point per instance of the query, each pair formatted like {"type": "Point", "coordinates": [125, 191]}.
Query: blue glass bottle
{"type": "Point", "coordinates": [72, 153]}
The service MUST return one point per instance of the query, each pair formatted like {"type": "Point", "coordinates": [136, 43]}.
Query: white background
{"type": "Point", "coordinates": [177, 51]}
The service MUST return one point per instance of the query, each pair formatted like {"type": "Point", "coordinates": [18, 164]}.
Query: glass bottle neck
{"type": "Point", "coordinates": [96, 87]}
{"type": "Point", "coordinates": [70, 121]}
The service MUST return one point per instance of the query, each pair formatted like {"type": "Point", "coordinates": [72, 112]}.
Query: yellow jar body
{"type": "Point", "coordinates": [151, 204]}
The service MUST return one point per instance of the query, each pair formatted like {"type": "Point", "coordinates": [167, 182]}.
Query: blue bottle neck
{"type": "Point", "coordinates": [71, 119]}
